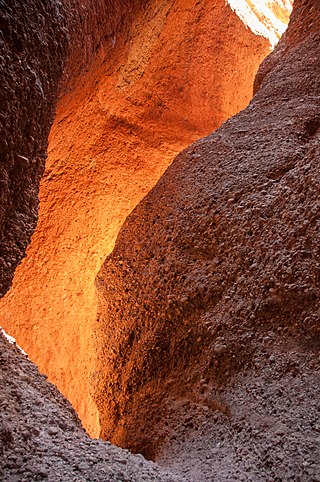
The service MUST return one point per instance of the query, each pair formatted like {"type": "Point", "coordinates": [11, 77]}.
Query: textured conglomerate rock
{"type": "Point", "coordinates": [33, 44]}
{"type": "Point", "coordinates": [41, 437]}
{"type": "Point", "coordinates": [208, 326]}
{"type": "Point", "coordinates": [157, 79]}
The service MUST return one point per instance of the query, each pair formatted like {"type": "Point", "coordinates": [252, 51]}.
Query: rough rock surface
{"type": "Point", "coordinates": [41, 437]}
{"type": "Point", "coordinates": [33, 44]}
{"type": "Point", "coordinates": [153, 86]}
{"type": "Point", "coordinates": [209, 303]}
{"type": "Point", "coordinates": [92, 27]}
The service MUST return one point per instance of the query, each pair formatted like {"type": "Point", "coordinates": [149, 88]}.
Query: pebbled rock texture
{"type": "Point", "coordinates": [33, 45]}
{"type": "Point", "coordinates": [41, 437]}
{"type": "Point", "coordinates": [209, 303]}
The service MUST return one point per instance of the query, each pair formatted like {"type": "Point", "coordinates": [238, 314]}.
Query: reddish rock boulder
{"type": "Point", "coordinates": [213, 285]}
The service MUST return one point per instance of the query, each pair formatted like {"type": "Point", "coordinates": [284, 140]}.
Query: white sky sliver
{"type": "Point", "coordinates": [273, 28]}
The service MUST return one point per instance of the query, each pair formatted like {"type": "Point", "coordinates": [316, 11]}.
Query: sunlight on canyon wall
{"type": "Point", "coordinates": [264, 17]}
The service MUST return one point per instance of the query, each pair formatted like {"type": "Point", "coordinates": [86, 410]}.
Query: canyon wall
{"type": "Point", "coordinates": [33, 47]}
{"type": "Point", "coordinates": [140, 85]}
{"type": "Point", "coordinates": [209, 302]}
{"type": "Point", "coordinates": [41, 437]}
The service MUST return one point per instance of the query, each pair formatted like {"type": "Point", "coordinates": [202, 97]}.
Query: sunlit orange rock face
{"type": "Point", "coordinates": [179, 70]}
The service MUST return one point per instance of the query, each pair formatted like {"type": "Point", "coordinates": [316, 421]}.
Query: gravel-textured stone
{"type": "Point", "coordinates": [55, 455]}
{"type": "Point", "coordinates": [33, 49]}
{"type": "Point", "coordinates": [215, 278]}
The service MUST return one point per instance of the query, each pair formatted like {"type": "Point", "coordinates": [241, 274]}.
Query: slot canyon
{"type": "Point", "coordinates": [166, 281]}
{"type": "Point", "coordinates": [160, 80]}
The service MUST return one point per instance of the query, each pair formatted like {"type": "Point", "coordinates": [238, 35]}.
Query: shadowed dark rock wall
{"type": "Point", "coordinates": [219, 264]}
{"type": "Point", "coordinates": [33, 44]}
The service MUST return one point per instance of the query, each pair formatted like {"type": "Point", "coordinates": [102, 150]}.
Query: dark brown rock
{"type": "Point", "coordinates": [217, 269]}
{"type": "Point", "coordinates": [33, 43]}
{"type": "Point", "coordinates": [33, 448]}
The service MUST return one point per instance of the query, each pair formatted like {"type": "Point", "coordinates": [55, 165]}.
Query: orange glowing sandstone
{"type": "Point", "coordinates": [185, 68]}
